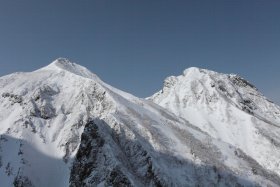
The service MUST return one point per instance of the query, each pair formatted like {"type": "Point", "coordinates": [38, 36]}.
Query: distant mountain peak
{"type": "Point", "coordinates": [195, 73]}
{"type": "Point", "coordinates": [225, 106]}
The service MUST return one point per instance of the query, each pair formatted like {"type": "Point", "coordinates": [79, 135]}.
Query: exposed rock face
{"type": "Point", "coordinates": [62, 126]}
{"type": "Point", "coordinates": [12, 97]}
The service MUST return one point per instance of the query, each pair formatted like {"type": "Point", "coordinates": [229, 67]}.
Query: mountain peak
{"type": "Point", "coordinates": [197, 71]}
{"type": "Point", "coordinates": [61, 63]}
{"type": "Point", "coordinates": [64, 64]}
{"type": "Point", "coordinates": [191, 70]}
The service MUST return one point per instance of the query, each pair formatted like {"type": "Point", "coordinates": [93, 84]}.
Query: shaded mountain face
{"type": "Point", "coordinates": [62, 126]}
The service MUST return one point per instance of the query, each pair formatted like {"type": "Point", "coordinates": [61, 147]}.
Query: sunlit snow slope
{"type": "Point", "coordinates": [62, 126]}
{"type": "Point", "coordinates": [229, 109]}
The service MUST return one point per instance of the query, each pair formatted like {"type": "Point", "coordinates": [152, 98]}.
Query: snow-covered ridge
{"type": "Point", "coordinates": [63, 126]}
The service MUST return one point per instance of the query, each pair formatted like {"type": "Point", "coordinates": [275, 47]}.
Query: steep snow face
{"type": "Point", "coordinates": [62, 126]}
{"type": "Point", "coordinates": [41, 121]}
{"type": "Point", "coordinates": [228, 108]}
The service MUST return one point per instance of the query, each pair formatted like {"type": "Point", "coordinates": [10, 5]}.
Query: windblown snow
{"type": "Point", "coordinates": [63, 126]}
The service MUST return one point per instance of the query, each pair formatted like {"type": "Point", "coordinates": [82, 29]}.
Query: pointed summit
{"type": "Point", "coordinates": [64, 64]}
{"type": "Point", "coordinates": [60, 62]}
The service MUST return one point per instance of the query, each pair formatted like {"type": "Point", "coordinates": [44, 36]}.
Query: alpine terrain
{"type": "Point", "coordinates": [62, 126]}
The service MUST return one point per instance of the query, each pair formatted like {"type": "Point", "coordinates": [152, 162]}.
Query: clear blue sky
{"type": "Point", "coordinates": [133, 45]}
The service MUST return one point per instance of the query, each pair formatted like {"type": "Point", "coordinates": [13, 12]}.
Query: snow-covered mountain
{"type": "Point", "coordinates": [62, 126]}
{"type": "Point", "coordinates": [229, 109]}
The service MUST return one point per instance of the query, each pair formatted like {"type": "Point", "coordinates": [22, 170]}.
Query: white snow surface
{"type": "Point", "coordinates": [203, 128]}
{"type": "Point", "coordinates": [229, 109]}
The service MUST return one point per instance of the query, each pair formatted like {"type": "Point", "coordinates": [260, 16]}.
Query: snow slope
{"type": "Point", "coordinates": [229, 109]}
{"type": "Point", "coordinates": [62, 126]}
